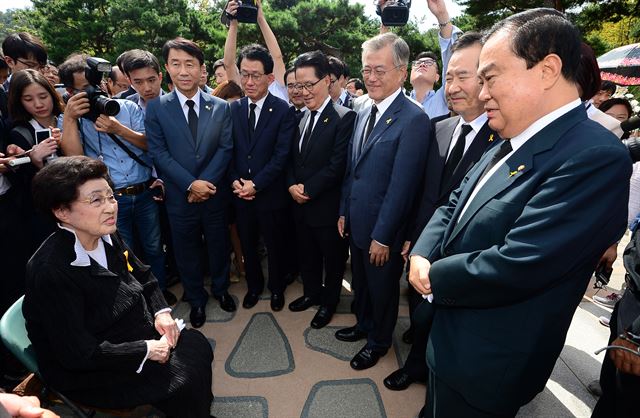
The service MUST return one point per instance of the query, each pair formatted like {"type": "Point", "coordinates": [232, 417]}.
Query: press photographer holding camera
{"type": "Point", "coordinates": [112, 130]}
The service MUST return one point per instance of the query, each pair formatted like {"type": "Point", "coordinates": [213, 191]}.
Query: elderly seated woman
{"type": "Point", "coordinates": [102, 331]}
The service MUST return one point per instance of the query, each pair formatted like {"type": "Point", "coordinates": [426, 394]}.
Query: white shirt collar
{"type": "Point", "coordinates": [343, 95]}
{"type": "Point", "coordinates": [260, 102]}
{"type": "Point", "coordinates": [477, 123]}
{"type": "Point", "coordinates": [321, 108]}
{"type": "Point", "coordinates": [518, 140]}
{"type": "Point", "coordinates": [183, 99]}
{"type": "Point", "coordinates": [82, 257]}
{"type": "Point", "coordinates": [384, 105]}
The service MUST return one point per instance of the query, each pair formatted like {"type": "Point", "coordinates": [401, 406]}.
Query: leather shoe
{"type": "Point", "coordinates": [407, 336]}
{"type": "Point", "coordinates": [250, 300]}
{"type": "Point", "coordinates": [322, 317]}
{"type": "Point", "coordinates": [301, 304]}
{"type": "Point", "coordinates": [398, 380]}
{"type": "Point", "coordinates": [226, 302]}
{"type": "Point", "coordinates": [277, 301]}
{"type": "Point", "coordinates": [350, 334]}
{"type": "Point", "coordinates": [169, 297]}
{"type": "Point", "coordinates": [197, 317]}
{"type": "Point", "coordinates": [365, 359]}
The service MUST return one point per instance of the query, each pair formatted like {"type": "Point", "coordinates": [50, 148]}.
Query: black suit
{"type": "Point", "coordinates": [320, 165]}
{"type": "Point", "coordinates": [435, 192]}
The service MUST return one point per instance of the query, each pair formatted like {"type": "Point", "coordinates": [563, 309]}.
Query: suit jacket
{"type": "Point", "coordinates": [264, 157]}
{"type": "Point", "coordinates": [380, 181]}
{"type": "Point", "coordinates": [179, 159]}
{"type": "Point", "coordinates": [508, 275]}
{"type": "Point", "coordinates": [320, 165]}
{"type": "Point", "coordinates": [434, 193]}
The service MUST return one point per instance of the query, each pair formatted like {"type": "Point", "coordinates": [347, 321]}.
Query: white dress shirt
{"type": "Point", "coordinates": [384, 104]}
{"type": "Point", "coordinates": [315, 121]}
{"type": "Point", "coordinates": [183, 103]}
{"type": "Point", "coordinates": [475, 124]}
{"type": "Point", "coordinates": [259, 105]}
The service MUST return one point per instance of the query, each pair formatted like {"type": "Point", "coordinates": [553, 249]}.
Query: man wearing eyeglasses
{"type": "Point", "coordinates": [23, 51]}
{"type": "Point", "coordinates": [387, 150]}
{"type": "Point", "coordinates": [263, 128]}
{"type": "Point", "coordinates": [424, 69]}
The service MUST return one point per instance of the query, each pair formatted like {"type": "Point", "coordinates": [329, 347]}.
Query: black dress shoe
{"type": "Point", "coordinates": [365, 359]}
{"type": "Point", "coordinates": [350, 334]}
{"type": "Point", "coordinates": [277, 301]}
{"type": "Point", "coordinates": [407, 336]}
{"type": "Point", "coordinates": [226, 302]}
{"type": "Point", "coordinates": [250, 300]}
{"type": "Point", "coordinates": [322, 317]}
{"type": "Point", "coordinates": [197, 317]}
{"type": "Point", "coordinates": [169, 297]}
{"type": "Point", "coordinates": [398, 380]}
{"type": "Point", "coordinates": [301, 304]}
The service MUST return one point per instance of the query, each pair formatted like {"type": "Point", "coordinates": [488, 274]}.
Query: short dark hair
{"type": "Point", "coordinates": [3, 63]}
{"type": "Point", "coordinates": [22, 44]}
{"type": "Point", "coordinates": [317, 60]}
{"type": "Point", "coordinates": [609, 86]}
{"type": "Point", "coordinates": [56, 185]}
{"type": "Point", "coordinates": [218, 63]}
{"type": "Point", "coordinates": [336, 66]}
{"type": "Point", "coordinates": [255, 52]}
{"type": "Point", "coordinates": [608, 104]}
{"type": "Point", "coordinates": [467, 40]}
{"type": "Point", "coordinates": [185, 45]}
{"type": "Point", "coordinates": [113, 74]}
{"type": "Point", "coordinates": [536, 33]}
{"type": "Point", "coordinates": [20, 81]}
{"type": "Point", "coordinates": [122, 59]}
{"type": "Point", "coordinates": [138, 59]}
{"type": "Point", "coordinates": [228, 89]}
{"type": "Point", "coordinates": [75, 63]}
{"type": "Point", "coordinates": [588, 77]}
{"type": "Point", "coordinates": [357, 83]}
{"type": "Point", "coordinates": [289, 70]}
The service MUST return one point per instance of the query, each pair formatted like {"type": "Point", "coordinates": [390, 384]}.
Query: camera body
{"type": "Point", "coordinates": [395, 13]}
{"type": "Point", "coordinates": [100, 102]}
{"type": "Point", "coordinates": [247, 12]}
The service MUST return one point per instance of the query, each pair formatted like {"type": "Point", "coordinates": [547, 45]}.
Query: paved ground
{"type": "Point", "coordinates": [271, 364]}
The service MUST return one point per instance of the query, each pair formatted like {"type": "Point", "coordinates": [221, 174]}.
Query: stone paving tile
{"type": "Point", "coordinates": [351, 398]}
{"type": "Point", "coordinates": [324, 341]}
{"type": "Point", "coordinates": [213, 311]}
{"type": "Point", "coordinates": [240, 407]}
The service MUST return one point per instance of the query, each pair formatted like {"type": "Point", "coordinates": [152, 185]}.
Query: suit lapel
{"type": "Point", "coordinates": [178, 116]}
{"type": "Point", "coordinates": [206, 110]}
{"type": "Point", "coordinates": [386, 120]}
{"type": "Point", "coordinates": [265, 115]}
{"type": "Point", "coordinates": [361, 123]}
{"type": "Point", "coordinates": [303, 121]}
{"type": "Point", "coordinates": [321, 124]}
{"type": "Point", "coordinates": [516, 166]}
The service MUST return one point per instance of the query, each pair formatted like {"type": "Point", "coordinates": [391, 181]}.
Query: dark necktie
{"type": "Point", "coordinates": [370, 124]}
{"type": "Point", "coordinates": [504, 149]}
{"type": "Point", "coordinates": [456, 154]}
{"type": "Point", "coordinates": [193, 119]}
{"type": "Point", "coordinates": [252, 118]}
{"type": "Point", "coordinates": [307, 132]}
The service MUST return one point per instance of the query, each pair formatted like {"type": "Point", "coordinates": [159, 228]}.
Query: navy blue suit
{"type": "Point", "coordinates": [180, 160]}
{"type": "Point", "coordinates": [508, 274]}
{"type": "Point", "coordinates": [263, 158]}
{"type": "Point", "coordinates": [377, 196]}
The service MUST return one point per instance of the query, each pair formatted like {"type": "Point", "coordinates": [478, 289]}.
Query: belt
{"type": "Point", "coordinates": [132, 190]}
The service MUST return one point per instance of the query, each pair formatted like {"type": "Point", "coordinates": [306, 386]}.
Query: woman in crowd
{"type": "Point", "coordinates": [100, 327]}
{"type": "Point", "coordinates": [617, 107]}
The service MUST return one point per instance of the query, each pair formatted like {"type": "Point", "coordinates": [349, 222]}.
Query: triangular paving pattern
{"type": "Point", "coordinates": [351, 398]}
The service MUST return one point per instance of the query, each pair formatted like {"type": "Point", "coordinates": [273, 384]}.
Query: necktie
{"type": "Point", "coordinates": [252, 118]}
{"type": "Point", "coordinates": [505, 148]}
{"type": "Point", "coordinates": [307, 132]}
{"type": "Point", "coordinates": [193, 119]}
{"type": "Point", "coordinates": [456, 154]}
{"type": "Point", "coordinates": [370, 123]}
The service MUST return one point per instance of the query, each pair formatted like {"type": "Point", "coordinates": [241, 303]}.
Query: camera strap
{"type": "Point", "coordinates": [128, 151]}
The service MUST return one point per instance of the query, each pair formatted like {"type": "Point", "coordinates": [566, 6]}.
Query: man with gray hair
{"type": "Point", "coordinates": [388, 147]}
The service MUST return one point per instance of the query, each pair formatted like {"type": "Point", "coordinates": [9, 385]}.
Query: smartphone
{"type": "Point", "coordinates": [42, 134]}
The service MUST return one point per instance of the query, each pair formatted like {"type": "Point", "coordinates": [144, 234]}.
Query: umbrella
{"type": "Point", "coordinates": [621, 65]}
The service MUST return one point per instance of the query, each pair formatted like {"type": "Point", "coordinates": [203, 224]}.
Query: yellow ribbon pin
{"type": "Point", "coordinates": [513, 173]}
{"type": "Point", "coordinates": [389, 121]}
{"type": "Point", "coordinates": [326, 120]}
{"type": "Point", "coordinates": [126, 257]}
{"type": "Point", "coordinates": [491, 138]}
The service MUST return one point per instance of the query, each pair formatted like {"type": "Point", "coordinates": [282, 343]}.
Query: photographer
{"type": "Point", "coordinates": [120, 142]}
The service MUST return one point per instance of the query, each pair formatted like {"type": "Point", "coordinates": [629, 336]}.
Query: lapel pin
{"type": "Point", "coordinates": [389, 121]}
{"type": "Point", "coordinates": [513, 173]}
{"type": "Point", "coordinates": [270, 110]}
{"type": "Point", "coordinates": [207, 107]}
{"type": "Point", "coordinates": [326, 120]}
{"type": "Point", "coordinates": [126, 258]}
{"type": "Point", "coordinates": [491, 138]}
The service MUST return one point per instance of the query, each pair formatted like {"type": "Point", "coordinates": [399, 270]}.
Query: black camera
{"type": "Point", "coordinates": [247, 13]}
{"type": "Point", "coordinates": [395, 12]}
{"type": "Point", "coordinates": [100, 102]}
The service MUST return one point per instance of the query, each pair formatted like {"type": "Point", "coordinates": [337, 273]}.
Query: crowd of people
{"type": "Point", "coordinates": [498, 191]}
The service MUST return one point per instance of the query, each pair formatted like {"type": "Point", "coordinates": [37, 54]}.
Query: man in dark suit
{"type": "Point", "coordinates": [388, 147]}
{"type": "Point", "coordinates": [189, 134]}
{"type": "Point", "coordinates": [337, 72]}
{"type": "Point", "coordinates": [507, 260]}
{"type": "Point", "coordinates": [459, 143]}
{"type": "Point", "coordinates": [263, 127]}
{"type": "Point", "coordinates": [319, 158]}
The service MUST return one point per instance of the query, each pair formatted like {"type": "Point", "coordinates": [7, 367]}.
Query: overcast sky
{"type": "Point", "coordinates": [419, 10]}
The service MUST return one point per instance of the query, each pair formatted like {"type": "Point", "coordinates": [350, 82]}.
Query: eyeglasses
{"type": "Point", "coordinates": [425, 62]}
{"type": "Point", "coordinates": [307, 86]}
{"type": "Point", "coordinates": [98, 201]}
{"type": "Point", "coordinates": [31, 64]}
{"type": "Point", "coordinates": [256, 77]}
{"type": "Point", "coordinates": [333, 80]}
{"type": "Point", "coordinates": [379, 73]}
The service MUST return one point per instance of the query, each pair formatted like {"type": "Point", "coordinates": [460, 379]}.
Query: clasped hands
{"type": "Point", "coordinates": [200, 191]}
{"type": "Point", "coordinates": [244, 189]}
{"type": "Point", "coordinates": [297, 193]}
{"type": "Point", "coordinates": [166, 326]}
